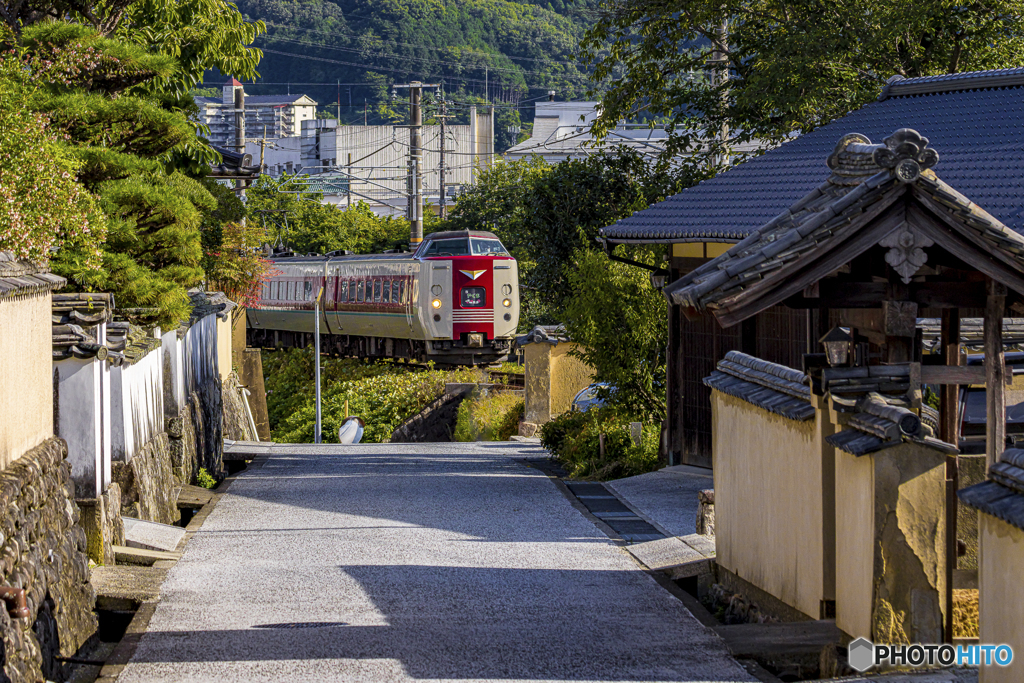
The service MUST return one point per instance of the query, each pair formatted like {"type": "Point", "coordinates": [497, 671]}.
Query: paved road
{"type": "Point", "coordinates": [413, 562]}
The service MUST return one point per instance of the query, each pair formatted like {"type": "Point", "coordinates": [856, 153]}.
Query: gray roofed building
{"type": "Point", "coordinates": [968, 116]}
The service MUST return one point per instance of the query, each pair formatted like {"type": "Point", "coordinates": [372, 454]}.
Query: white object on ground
{"type": "Point", "coordinates": [351, 430]}
{"type": "Point", "coordinates": [139, 533]}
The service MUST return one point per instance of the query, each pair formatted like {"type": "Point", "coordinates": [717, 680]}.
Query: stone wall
{"type": "Point", "coordinates": [43, 551]}
{"type": "Point", "coordinates": [237, 425]}
{"type": "Point", "coordinates": [436, 422]}
{"type": "Point", "coordinates": [147, 482]}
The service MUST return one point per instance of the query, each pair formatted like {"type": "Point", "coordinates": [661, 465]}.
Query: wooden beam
{"type": "Point", "coordinates": [845, 294]}
{"type": "Point", "coordinates": [967, 246]}
{"type": "Point", "coordinates": [957, 374]}
{"type": "Point", "coordinates": [853, 239]}
{"type": "Point", "coordinates": [949, 413]}
{"type": "Point", "coordinates": [995, 377]}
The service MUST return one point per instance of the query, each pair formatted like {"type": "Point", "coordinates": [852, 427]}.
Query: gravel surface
{"type": "Point", "coordinates": [398, 562]}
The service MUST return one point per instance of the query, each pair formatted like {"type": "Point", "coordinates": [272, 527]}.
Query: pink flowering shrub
{"type": "Point", "coordinates": [42, 206]}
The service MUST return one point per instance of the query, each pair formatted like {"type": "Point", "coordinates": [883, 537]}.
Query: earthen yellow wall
{"type": "Point", "coordinates": [1001, 600]}
{"type": "Point", "coordinates": [855, 535]}
{"type": "Point", "coordinates": [224, 347]}
{"type": "Point", "coordinates": [26, 385]}
{"type": "Point", "coordinates": [568, 376]}
{"type": "Point", "coordinates": [769, 510]}
{"type": "Point", "coordinates": [537, 366]}
{"type": "Point", "coordinates": [553, 378]}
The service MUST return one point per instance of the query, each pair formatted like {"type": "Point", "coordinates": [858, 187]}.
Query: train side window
{"type": "Point", "coordinates": [359, 291]}
{"type": "Point", "coordinates": [376, 291]}
{"type": "Point", "coordinates": [387, 292]}
{"type": "Point", "coordinates": [308, 290]}
{"type": "Point", "coordinates": [289, 291]}
{"type": "Point", "coordinates": [396, 292]}
{"type": "Point", "coordinates": [273, 291]}
{"type": "Point", "coordinates": [344, 291]}
{"type": "Point", "coordinates": [403, 293]}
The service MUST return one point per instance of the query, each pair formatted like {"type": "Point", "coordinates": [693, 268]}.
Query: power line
{"type": "Point", "coordinates": [426, 47]}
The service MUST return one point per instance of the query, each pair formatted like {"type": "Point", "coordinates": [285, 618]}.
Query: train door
{"type": "Point", "coordinates": [436, 299]}
{"type": "Point", "coordinates": [338, 288]}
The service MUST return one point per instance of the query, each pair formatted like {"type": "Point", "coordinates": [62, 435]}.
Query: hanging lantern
{"type": "Point", "coordinates": [837, 346]}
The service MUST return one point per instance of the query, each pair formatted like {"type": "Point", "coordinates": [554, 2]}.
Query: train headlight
{"type": "Point", "coordinates": [506, 303]}
{"type": "Point", "coordinates": [436, 303]}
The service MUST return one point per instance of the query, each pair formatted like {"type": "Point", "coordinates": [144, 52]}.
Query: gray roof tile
{"type": "Point", "coordinates": [967, 117]}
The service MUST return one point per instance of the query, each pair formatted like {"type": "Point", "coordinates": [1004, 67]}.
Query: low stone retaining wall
{"type": "Point", "coordinates": [147, 482]}
{"type": "Point", "coordinates": [43, 551]}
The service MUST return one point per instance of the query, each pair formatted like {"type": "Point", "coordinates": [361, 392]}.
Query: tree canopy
{"type": "Point", "coordinates": [790, 66]}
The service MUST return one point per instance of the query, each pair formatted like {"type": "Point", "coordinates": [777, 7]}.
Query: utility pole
{"type": "Point", "coordinates": [349, 186]}
{"type": "Point", "coordinates": [415, 182]}
{"type": "Point", "coordinates": [316, 365]}
{"type": "Point", "coordinates": [263, 146]}
{"type": "Point", "coordinates": [720, 77]}
{"type": "Point", "coordinates": [240, 130]}
{"type": "Point", "coordinates": [339, 99]}
{"type": "Point", "coordinates": [443, 117]}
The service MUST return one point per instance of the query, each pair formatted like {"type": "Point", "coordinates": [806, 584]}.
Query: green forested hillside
{"type": "Point", "coordinates": [507, 52]}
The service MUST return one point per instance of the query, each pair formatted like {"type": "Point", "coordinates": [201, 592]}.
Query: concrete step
{"type": "Point", "coordinates": [140, 533]}
{"type": "Point", "coordinates": [193, 496]}
{"type": "Point", "coordinates": [126, 587]}
{"type": "Point", "coordinates": [140, 556]}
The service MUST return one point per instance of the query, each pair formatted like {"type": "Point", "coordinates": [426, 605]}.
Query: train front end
{"type": "Point", "coordinates": [469, 294]}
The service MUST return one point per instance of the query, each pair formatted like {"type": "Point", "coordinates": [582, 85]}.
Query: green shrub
{"type": "Point", "coordinates": [383, 394]}
{"type": "Point", "coordinates": [574, 439]}
{"type": "Point", "coordinates": [204, 479]}
{"type": "Point", "coordinates": [493, 417]}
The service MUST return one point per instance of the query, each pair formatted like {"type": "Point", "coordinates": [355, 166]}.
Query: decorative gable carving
{"type": "Point", "coordinates": [906, 252]}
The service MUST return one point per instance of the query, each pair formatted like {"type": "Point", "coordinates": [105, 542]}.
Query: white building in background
{"type": "Point", "coordinates": [376, 159]}
{"type": "Point", "coordinates": [275, 116]}
{"type": "Point", "coordinates": [561, 130]}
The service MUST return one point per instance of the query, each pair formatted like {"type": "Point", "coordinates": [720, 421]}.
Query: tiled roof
{"type": "Point", "coordinates": [129, 343]}
{"type": "Point", "coordinates": [1002, 496]}
{"type": "Point", "coordinates": [865, 179]}
{"type": "Point", "coordinates": [75, 318]}
{"type": "Point", "coordinates": [204, 304]}
{"type": "Point", "coordinates": [773, 387]}
{"type": "Point", "coordinates": [881, 423]}
{"type": "Point", "coordinates": [233, 165]}
{"type": "Point", "coordinates": [19, 277]}
{"type": "Point", "coordinates": [974, 120]}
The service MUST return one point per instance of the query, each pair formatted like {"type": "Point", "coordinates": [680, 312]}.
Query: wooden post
{"type": "Point", "coordinates": [949, 411]}
{"type": "Point", "coordinates": [995, 373]}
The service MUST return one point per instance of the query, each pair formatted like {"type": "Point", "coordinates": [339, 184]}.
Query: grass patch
{"type": "Point", "coordinates": [491, 417]}
{"type": "Point", "coordinates": [574, 438]}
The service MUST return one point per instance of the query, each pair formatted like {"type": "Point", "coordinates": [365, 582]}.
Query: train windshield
{"type": "Point", "coordinates": [462, 246]}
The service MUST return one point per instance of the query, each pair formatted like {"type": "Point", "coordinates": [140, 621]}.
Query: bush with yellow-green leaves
{"type": "Point", "coordinates": [490, 417]}
{"type": "Point", "coordinates": [383, 394]}
{"type": "Point", "coordinates": [574, 439]}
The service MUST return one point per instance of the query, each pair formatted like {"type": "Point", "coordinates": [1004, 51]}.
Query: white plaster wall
{"type": "Point", "coordinates": [1000, 598]}
{"type": "Point", "coordinates": [26, 390]}
{"type": "Point", "coordinates": [137, 405]}
{"type": "Point", "coordinates": [172, 353]}
{"type": "Point", "coordinates": [80, 422]}
{"type": "Point", "coordinates": [769, 517]}
{"type": "Point", "coordinates": [201, 355]}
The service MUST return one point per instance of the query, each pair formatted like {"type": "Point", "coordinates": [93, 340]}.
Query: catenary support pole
{"type": "Point", "coordinates": [316, 360]}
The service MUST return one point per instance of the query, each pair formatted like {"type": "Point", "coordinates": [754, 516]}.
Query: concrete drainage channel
{"type": "Point", "coordinates": [127, 593]}
{"type": "Point", "coordinates": [772, 653]}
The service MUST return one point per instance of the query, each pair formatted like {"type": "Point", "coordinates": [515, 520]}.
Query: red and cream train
{"type": "Point", "coordinates": [455, 301]}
